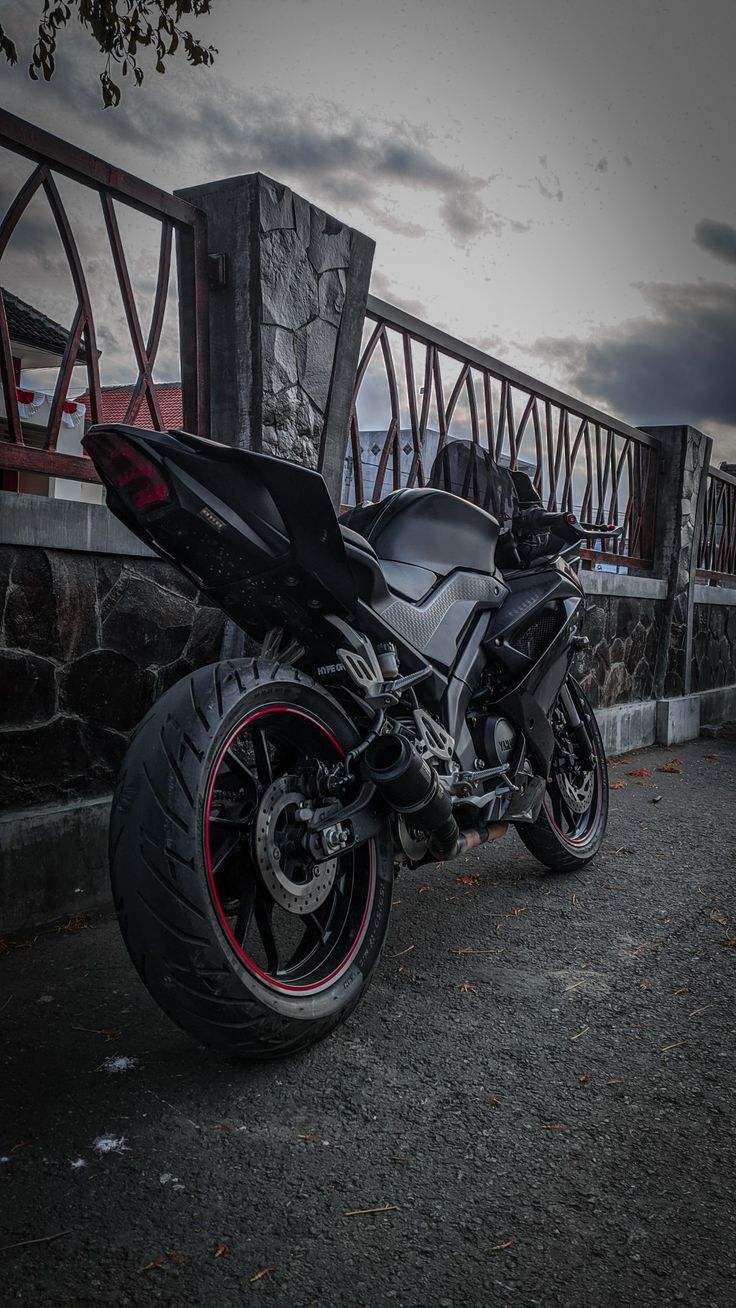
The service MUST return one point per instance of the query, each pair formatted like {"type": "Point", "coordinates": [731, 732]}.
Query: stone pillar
{"type": "Point", "coordinates": [286, 326]}
{"type": "Point", "coordinates": [681, 485]}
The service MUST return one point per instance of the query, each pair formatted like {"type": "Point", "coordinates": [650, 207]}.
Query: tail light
{"type": "Point", "coordinates": [139, 482]}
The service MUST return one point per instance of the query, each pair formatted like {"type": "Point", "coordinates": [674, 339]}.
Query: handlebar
{"type": "Point", "coordinates": [530, 521]}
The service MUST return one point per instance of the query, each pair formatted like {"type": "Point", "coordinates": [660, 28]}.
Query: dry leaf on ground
{"type": "Point", "coordinates": [265, 1271]}
{"type": "Point", "coordinates": [80, 922]}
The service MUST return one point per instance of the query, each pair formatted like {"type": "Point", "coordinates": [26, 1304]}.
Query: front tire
{"type": "Point", "coordinates": [236, 941]}
{"type": "Point", "coordinates": [569, 831]}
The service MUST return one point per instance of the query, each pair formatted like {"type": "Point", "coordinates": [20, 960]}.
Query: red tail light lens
{"type": "Point", "coordinates": [140, 483]}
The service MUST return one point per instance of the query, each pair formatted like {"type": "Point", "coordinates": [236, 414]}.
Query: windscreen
{"type": "Point", "coordinates": [464, 468]}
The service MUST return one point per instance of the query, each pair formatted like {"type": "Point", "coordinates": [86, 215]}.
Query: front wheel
{"type": "Point", "coordinates": [238, 937]}
{"type": "Point", "coordinates": [572, 823]}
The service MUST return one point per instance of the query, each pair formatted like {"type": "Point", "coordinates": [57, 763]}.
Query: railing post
{"type": "Point", "coordinates": [285, 323]}
{"type": "Point", "coordinates": [681, 483]}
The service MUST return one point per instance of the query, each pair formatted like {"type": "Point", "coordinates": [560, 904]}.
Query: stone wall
{"type": "Point", "coordinates": [87, 643]}
{"type": "Point", "coordinates": [624, 631]}
{"type": "Point", "coordinates": [714, 646]}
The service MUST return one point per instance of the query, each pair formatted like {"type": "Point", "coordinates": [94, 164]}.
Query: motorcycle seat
{"type": "Point", "coordinates": [427, 528]}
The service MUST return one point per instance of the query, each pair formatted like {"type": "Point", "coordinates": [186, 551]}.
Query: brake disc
{"type": "Point", "coordinates": [577, 796]}
{"type": "Point", "coordinates": [289, 881]}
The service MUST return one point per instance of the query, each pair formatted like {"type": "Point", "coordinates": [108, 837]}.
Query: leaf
{"type": "Point", "coordinates": [312, 1138]}
{"type": "Point", "coordinates": [467, 989]}
{"type": "Point", "coordinates": [585, 1078]}
{"type": "Point", "coordinates": [618, 785]}
{"type": "Point", "coordinates": [671, 768]}
{"type": "Point", "coordinates": [265, 1271]}
{"type": "Point", "coordinates": [640, 772]}
{"type": "Point", "coordinates": [8, 48]}
{"type": "Point", "coordinates": [221, 1249]}
{"type": "Point", "coordinates": [157, 1262]}
{"type": "Point", "coordinates": [506, 1245]}
{"type": "Point", "coordinates": [80, 922]}
{"type": "Point", "coordinates": [469, 880]}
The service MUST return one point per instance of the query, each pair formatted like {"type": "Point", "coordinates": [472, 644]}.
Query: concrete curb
{"type": "Point", "coordinates": [53, 862]}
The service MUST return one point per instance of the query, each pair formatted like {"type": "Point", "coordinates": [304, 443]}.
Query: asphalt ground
{"type": "Point", "coordinates": [537, 1090]}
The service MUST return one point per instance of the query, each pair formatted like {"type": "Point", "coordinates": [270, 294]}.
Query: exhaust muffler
{"type": "Point", "coordinates": [410, 786]}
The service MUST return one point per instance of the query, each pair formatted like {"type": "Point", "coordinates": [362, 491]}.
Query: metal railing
{"type": "Point", "coordinates": [53, 157]}
{"type": "Point", "coordinates": [717, 544]}
{"type": "Point", "coordinates": [416, 388]}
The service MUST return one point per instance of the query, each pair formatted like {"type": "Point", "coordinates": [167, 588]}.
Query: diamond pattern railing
{"type": "Point", "coordinates": [53, 157]}
{"type": "Point", "coordinates": [417, 388]}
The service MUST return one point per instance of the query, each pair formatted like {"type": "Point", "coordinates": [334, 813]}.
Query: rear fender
{"type": "Point", "coordinates": [247, 528]}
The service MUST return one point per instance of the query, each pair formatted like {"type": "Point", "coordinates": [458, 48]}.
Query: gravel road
{"type": "Point", "coordinates": [538, 1092]}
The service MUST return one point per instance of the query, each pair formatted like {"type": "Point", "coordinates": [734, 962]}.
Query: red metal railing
{"type": "Point", "coordinates": [717, 545]}
{"type": "Point", "coordinates": [417, 388]}
{"type": "Point", "coordinates": [54, 157]}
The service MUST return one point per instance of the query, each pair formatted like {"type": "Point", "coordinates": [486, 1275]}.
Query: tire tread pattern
{"type": "Point", "coordinates": [160, 893]}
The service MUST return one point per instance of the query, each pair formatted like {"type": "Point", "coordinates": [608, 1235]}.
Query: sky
{"type": "Point", "coordinates": [551, 181]}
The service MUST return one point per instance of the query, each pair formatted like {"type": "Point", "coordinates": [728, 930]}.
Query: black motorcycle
{"type": "Point", "coordinates": [411, 696]}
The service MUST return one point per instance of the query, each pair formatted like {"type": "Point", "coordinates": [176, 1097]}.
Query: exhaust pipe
{"type": "Point", "coordinates": [410, 786]}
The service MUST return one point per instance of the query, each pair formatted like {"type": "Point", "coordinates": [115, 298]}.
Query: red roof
{"type": "Point", "coordinates": [115, 401]}
{"type": "Point", "coordinates": [27, 326]}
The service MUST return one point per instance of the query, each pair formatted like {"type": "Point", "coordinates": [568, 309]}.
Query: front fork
{"type": "Point", "coordinates": [577, 727]}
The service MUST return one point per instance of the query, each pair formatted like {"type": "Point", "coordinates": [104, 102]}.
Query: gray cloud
{"type": "Point", "coordinates": [556, 193]}
{"type": "Point", "coordinates": [717, 238]}
{"type": "Point", "coordinates": [674, 367]}
{"type": "Point", "coordinates": [345, 160]}
{"type": "Point", "coordinates": [465, 216]}
{"type": "Point", "coordinates": [550, 188]}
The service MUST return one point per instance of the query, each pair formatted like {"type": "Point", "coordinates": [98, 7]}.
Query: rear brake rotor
{"type": "Point", "coordinates": [289, 881]}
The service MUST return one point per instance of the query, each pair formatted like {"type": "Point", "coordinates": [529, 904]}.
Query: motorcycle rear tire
{"type": "Point", "coordinates": [170, 915]}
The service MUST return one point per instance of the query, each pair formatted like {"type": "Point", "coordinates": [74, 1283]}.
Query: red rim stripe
{"type": "Point", "coordinates": [253, 967]}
